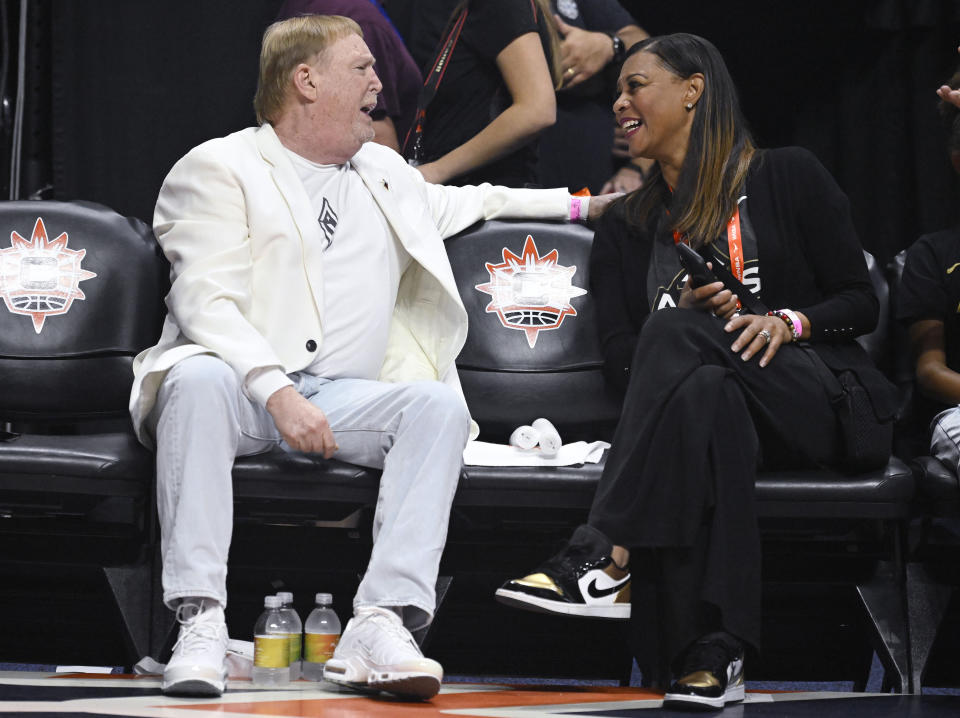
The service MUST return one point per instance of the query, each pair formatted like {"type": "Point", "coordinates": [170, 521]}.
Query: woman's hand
{"type": "Point", "coordinates": [758, 333]}
{"type": "Point", "coordinates": [713, 298]}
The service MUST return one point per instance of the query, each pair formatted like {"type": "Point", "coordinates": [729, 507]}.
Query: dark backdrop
{"type": "Point", "coordinates": [133, 85]}
{"type": "Point", "coordinates": [851, 80]}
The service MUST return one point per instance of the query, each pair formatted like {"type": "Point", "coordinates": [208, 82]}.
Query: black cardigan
{"type": "Point", "coordinates": [809, 257]}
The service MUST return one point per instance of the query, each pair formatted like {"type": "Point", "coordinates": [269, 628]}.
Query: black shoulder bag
{"type": "Point", "coordinates": [867, 439]}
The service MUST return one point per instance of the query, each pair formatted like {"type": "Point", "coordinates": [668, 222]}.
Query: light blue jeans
{"type": "Point", "coordinates": [945, 437]}
{"type": "Point", "coordinates": [415, 432]}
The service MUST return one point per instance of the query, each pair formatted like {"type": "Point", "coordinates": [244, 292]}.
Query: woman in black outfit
{"type": "Point", "coordinates": [488, 95]}
{"type": "Point", "coordinates": [710, 392]}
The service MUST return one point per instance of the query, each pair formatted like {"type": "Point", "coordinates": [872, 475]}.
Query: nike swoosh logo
{"type": "Point", "coordinates": [950, 271]}
{"type": "Point", "coordinates": [595, 592]}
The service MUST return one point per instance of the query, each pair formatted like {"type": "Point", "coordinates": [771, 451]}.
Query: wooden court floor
{"type": "Point", "coordinates": [50, 694]}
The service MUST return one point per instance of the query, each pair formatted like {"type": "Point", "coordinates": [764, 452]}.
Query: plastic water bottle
{"type": "Point", "coordinates": [271, 647]}
{"type": "Point", "coordinates": [288, 615]}
{"type": "Point", "coordinates": [321, 634]}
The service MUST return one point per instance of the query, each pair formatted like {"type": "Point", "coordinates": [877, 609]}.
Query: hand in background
{"type": "Point", "coordinates": [626, 179]}
{"type": "Point", "coordinates": [621, 147]}
{"type": "Point", "coordinates": [582, 53]}
{"type": "Point", "coordinates": [947, 94]}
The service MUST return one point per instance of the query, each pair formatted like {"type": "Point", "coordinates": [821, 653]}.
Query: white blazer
{"type": "Point", "coordinates": [245, 249]}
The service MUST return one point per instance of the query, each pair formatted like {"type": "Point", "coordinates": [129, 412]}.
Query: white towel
{"type": "Point", "coordinates": [482, 453]}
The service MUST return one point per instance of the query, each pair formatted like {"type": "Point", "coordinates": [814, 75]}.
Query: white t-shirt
{"type": "Point", "coordinates": [362, 265]}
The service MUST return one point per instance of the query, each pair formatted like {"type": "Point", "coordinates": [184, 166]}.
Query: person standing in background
{"type": "Point", "coordinates": [488, 94]}
{"type": "Point", "coordinates": [928, 304]}
{"type": "Point", "coordinates": [577, 151]}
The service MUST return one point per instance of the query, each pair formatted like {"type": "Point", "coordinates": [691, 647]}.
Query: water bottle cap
{"type": "Point", "coordinates": [285, 597]}
{"type": "Point", "coordinates": [324, 598]}
{"type": "Point", "coordinates": [271, 602]}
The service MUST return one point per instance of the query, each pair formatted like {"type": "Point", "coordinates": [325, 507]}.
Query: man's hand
{"type": "Point", "coordinates": [598, 203]}
{"type": "Point", "coordinates": [582, 53]}
{"type": "Point", "coordinates": [302, 425]}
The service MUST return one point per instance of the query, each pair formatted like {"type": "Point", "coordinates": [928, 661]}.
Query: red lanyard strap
{"type": "Point", "coordinates": [432, 83]}
{"type": "Point", "coordinates": [734, 243]}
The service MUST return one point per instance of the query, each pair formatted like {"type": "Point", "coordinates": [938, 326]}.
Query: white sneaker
{"type": "Point", "coordinates": [377, 652]}
{"type": "Point", "coordinates": [198, 664]}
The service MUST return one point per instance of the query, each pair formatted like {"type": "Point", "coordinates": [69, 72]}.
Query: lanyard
{"type": "Point", "coordinates": [734, 244]}
{"type": "Point", "coordinates": [431, 84]}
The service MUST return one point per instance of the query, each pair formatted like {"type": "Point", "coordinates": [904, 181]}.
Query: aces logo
{"type": "Point", "coordinates": [531, 293]}
{"type": "Point", "coordinates": [40, 277]}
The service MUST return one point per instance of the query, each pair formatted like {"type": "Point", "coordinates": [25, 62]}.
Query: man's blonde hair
{"type": "Point", "coordinates": [285, 45]}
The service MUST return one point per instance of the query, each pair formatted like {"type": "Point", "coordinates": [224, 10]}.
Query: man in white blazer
{"type": "Point", "coordinates": [313, 307]}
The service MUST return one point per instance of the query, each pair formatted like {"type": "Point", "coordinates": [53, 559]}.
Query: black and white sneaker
{"type": "Point", "coordinates": [581, 580]}
{"type": "Point", "coordinates": [712, 674]}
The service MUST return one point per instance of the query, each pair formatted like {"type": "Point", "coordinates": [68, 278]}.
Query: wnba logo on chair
{"type": "Point", "coordinates": [531, 293]}
{"type": "Point", "coordinates": [40, 277]}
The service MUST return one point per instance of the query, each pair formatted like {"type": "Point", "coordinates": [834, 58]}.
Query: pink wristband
{"type": "Point", "coordinates": [574, 209]}
{"type": "Point", "coordinates": [791, 319]}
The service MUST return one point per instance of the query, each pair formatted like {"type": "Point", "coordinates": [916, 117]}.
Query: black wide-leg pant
{"type": "Point", "coordinates": [678, 484]}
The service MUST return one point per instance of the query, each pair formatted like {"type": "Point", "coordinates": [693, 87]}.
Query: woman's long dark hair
{"type": "Point", "coordinates": [719, 152]}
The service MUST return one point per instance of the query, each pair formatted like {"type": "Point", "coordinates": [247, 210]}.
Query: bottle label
{"type": "Point", "coordinates": [271, 651]}
{"type": "Point", "coordinates": [320, 646]}
{"type": "Point", "coordinates": [294, 640]}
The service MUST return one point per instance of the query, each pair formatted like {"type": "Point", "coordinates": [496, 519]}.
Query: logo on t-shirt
{"type": "Point", "coordinates": [328, 222]}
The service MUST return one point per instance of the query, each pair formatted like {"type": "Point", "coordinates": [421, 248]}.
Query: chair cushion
{"type": "Point", "coordinates": [884, 493]}
{"type": "Point", "coordinates": [539, 486]}
{"type": "Point", "coordinates": [106, 463]}
{"type": "Point", "coordinates": [935, 481]}
{"type": "Point", "coordinates": [278, 474]}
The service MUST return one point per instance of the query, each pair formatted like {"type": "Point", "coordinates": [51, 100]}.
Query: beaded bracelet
{"type": "Point", "coordinates": [791, 319]}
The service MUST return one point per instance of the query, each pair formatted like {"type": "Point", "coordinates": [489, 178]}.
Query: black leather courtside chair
{"type": "Point", "coordinates": [533, 351]}
{"type": "Point", "coordinates": [933, 570]}
{"type": "Point", "coordinates": [81, 293]}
